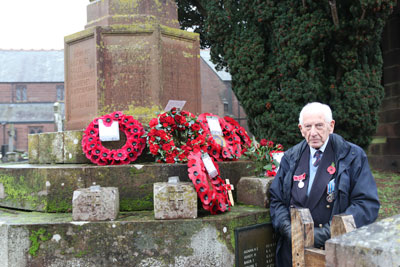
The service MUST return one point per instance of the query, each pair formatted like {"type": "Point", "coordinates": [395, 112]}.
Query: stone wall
{"type": "Point", "coordinates": [384, 152]}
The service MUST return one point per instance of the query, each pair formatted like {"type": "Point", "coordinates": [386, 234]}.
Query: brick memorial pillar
{"type": "Point", "coordinates": [130, 52]}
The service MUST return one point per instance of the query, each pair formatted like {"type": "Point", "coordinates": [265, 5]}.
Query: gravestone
{"type": "Point", "coordinates": [95, 204]}
{"type": "Point", "coordinates": [174, 200]}
{"type": "Point", "coordinates": [130, 52]}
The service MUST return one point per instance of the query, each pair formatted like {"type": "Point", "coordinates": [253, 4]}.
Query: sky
{"type": "Point", "coordinates": [40, 24]}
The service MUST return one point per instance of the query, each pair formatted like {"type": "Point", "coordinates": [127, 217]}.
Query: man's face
{"type": "Point", "coordinates": [315, 129]}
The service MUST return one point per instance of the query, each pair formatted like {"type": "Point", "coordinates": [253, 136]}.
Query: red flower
{"type": "Point", "coordinates": [153, 122]}
{"type": "Point", "coordinates": [331, 169]}
{"type": "Point", "coordinates": [270, 144]}
{"type": "Point", "coordinates": [279, 147]}
{"type": "Point", "coordinates": [263, 142]}
{"type": "Point", "coordinates": [154, 149]}
{"type": "Point", "coordinates": [270, 173]}
{"type": "Point", "coordinates": [180, 119]}
{"type": "Point", "coordinates": [195, 127]}
{"type": "Point", "coordinates": [166, 147]}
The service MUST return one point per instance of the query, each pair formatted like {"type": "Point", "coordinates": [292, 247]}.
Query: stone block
{"type": "Point", "coordinates": [136, 239]}
{"type": "Point", "coordinates": [73, 147]}
{"type": "Point", "coordinates": [33, 148]}
{"type": "Point", "coordinates": [95, 204]}
{"type": "Point", "coordinates": [49, 188]}
{"type": "Point", "coordinates": [51, 148]}
{"type": "Point", "coordinates": [142, 64]}
{"type": "Point", "coordinates": [254, 191]}
{"type": "Point", "coordinates": [175, 201]}
{"type": "Point", "coordinates": [376, 244]}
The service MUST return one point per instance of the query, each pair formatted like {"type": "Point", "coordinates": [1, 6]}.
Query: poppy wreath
{"type": "Point", "coordinates": [100, 155]}
{"type": "Point", "coordinates": [241, 132]}
{"type": "Point", "coordinates": [211, 191]}
{"type": "Point", "coordinates": [231, 149]}
{"type": "Point", "coordinates": [173, 135]}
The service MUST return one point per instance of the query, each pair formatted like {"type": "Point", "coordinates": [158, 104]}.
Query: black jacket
{"type": "Point", "coordinates": [355, 190]}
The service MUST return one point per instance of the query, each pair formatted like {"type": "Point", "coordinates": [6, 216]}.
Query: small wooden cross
{"type": "Point", "coordinates": [230, 188]}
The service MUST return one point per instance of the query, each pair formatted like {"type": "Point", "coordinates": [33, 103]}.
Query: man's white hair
{"type": "Point", "coordinates": [316, 107]}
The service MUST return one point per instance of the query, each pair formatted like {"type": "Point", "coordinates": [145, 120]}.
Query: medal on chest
{"type": "Point", "coordinates": [299, 179]}
{"type": "Point", "coordinates": [329, 190]}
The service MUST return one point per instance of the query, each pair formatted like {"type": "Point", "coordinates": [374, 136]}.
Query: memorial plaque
{"type": "Point", "coordinates": [255, 245]}
{"type": "Point", "coordinates": [81, 94]}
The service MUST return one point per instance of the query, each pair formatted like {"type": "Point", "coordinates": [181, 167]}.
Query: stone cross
{"type": "Point", "coordinates": [11, 136]}
{"type": "Point", "coordinates": [175, 197]}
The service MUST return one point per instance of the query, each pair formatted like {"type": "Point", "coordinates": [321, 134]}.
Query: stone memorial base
{"type": "Point", "coordinates": [135, 239]}
{"type": "Point", "coordinates": [50, 188]}
{"type": "Point", "coordinates": [254, 191]}
{"type": "Point", "coordinates": [377, 244]}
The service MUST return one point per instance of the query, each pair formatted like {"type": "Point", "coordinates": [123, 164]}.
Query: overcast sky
{"type": "Point", "coordinates": [40, 24]}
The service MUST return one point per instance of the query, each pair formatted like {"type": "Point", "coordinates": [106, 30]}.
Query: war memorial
{"type": "Point", "coordinates": [75, 206]}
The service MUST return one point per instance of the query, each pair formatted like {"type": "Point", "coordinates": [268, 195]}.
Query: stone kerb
{"type": "Point", "coordinates": [254, 191]}
{"type": "Point", "coordinates": [377, 244]}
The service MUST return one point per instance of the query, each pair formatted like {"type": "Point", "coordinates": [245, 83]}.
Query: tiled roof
{"type": "Point", "coordinates": [31, 66]}
{"type": "Point", "coordinates": [223, 75]}
{"type": "Point", "coordinates": [28, 112]}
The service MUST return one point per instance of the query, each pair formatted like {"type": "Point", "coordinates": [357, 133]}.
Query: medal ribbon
{"type": "Point", "coordinates": [300, 177]}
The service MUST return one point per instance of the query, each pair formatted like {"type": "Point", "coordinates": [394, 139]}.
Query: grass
{"type": "Point", "coordinates": [388, 184]}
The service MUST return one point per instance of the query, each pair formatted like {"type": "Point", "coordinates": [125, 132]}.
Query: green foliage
{"type": "Point", "coordinates": [284, 54]}
{"type": "Point", "coordinates": [36, 238]}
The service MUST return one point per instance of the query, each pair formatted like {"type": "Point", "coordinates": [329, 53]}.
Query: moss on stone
{"type": "Point", "coordinates": [36, 238]}
{"type": "Point", "coordinates": [144, 203]}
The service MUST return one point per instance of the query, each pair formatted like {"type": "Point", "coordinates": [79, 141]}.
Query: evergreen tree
{"type": "Point", "coordinates": [283, 54]}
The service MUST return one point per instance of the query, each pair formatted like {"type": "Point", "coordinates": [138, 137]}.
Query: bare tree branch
{"type": "Point", "coordinates": [335, 16]}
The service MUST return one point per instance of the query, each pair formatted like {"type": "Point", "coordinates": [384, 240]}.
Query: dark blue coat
{"type": "Point", "coordinates": [355, 190]}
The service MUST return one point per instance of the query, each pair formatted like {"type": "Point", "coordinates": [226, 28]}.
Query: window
{"type": "Point", "coordinates": [60, 92]}
{"type": "Point", "coordinates": [35, 129]}
{"type": "Point", "coordinates": [20, 93]}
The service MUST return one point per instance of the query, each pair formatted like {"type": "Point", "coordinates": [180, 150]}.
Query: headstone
{"type": "Point", "coordinates": [11, 136]}
{"type": "Point", "coordinates": [132, 52]}
{"type": "Point", "coordinates": [174, 200]}
{"type": "Point", "coordinates": [58, 119]}
{"type": "Point", "coordinates": [95, 204]}
{"type": "Point", "coordinates": [254, 191]}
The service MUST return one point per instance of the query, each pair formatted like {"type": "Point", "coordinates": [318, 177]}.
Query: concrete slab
{"type": "Point", "coordinates": [135, 239]}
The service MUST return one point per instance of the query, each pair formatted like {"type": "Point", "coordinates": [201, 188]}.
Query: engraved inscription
{"type": "Point", "coordinates": [81, 83]}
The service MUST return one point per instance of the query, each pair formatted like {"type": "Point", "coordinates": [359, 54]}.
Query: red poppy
{"type": "Point", "coordinates": [263, 142]}
{"type": "Point", "coordinates": [153, 122]}
{"type": "Point", "coordinates": [331, 169]}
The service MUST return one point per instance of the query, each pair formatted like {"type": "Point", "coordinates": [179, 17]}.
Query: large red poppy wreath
{"type": "Point", "coordinates": [211, 191]}
{"type": "Point", "coordinates": [227, 149]}
{"type": "Point", "coordinates": [173, 135]}
{"type": "Point", "coordinates": [241, 132]}
{"type": "Point", "coordinates": [100, 155]}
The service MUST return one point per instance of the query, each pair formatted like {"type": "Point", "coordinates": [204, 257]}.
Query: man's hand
{"type": "Point", "coordinates": [321, 234]}
{"type": "Point", "coordinates": [285, 229]}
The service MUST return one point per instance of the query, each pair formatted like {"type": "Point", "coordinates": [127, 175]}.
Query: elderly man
{"type": "Point", "coordinates": [325, 174]}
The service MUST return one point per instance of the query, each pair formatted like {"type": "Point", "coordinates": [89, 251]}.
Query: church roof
{"type": "Point", "coordinates": [31, 66]}
{"type": "Point", "coordinates": [223, 75]}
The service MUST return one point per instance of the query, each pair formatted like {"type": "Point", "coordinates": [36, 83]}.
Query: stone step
{"type": "Point", "coordinates": [134, 239]}
{"type": "Point", "coordinates": [49, 188]}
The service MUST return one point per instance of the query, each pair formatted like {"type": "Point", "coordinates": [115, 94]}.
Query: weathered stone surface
{"type": "Point", "coordinates": [109, 12]}
{"type": "Point", "coordinates": [374, 245]}
{"type": "Point", "coordinates": [51, 148]}
{"type": "Point", "coordinates": [254, 191]}
{"type": "Point", "coordinates": [50, 187]}
{"type": "Point", "coordinates": [136, 239]}
{"type": "Point", "coordinates": [33, 148]}
{"type": "Point", "coordinates": [73, 147]}
{"type": "Point", "coordinates": [95, 204]}
{"type": "Point", "coordinates": [111, 67]}
{"type": "Point", "coordinates": [174, 201]}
